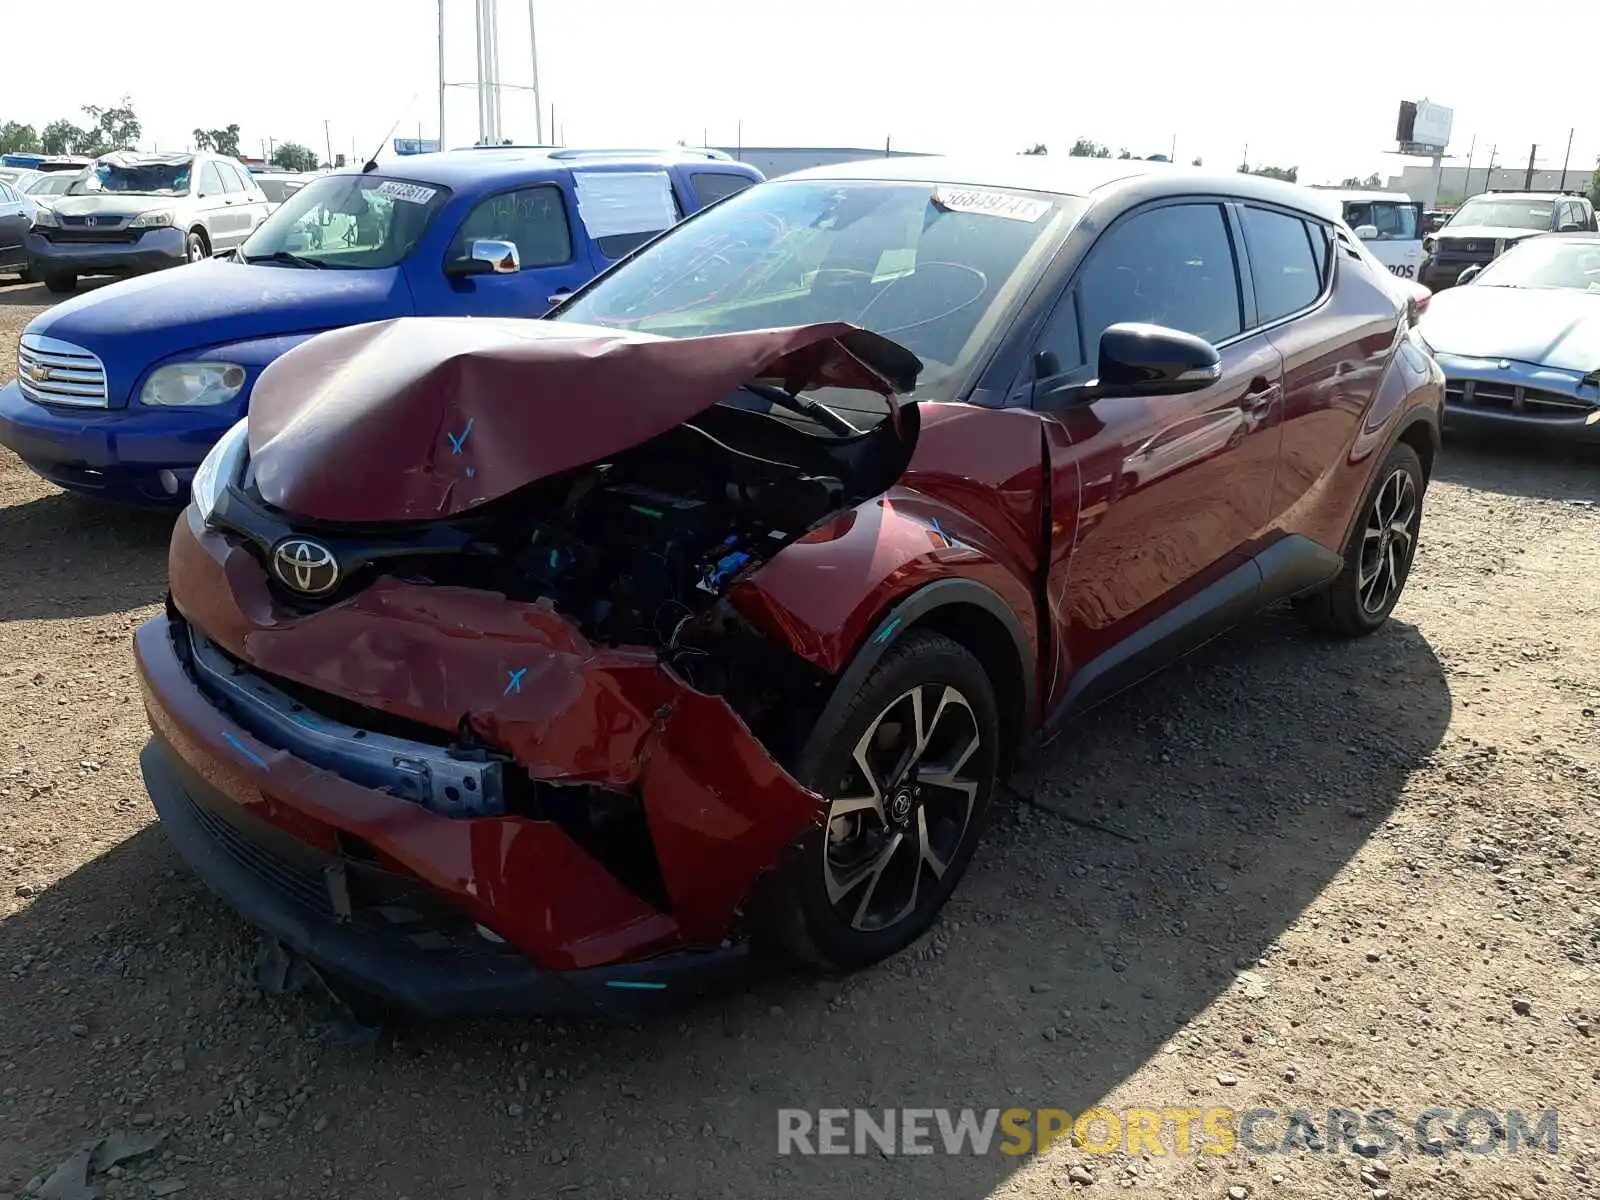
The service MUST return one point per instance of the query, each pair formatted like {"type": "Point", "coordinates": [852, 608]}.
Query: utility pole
{"type": "Point", "coordinates": [1562, 186]}
{"type": "Point", "coordinates": [1488, 177]}
{"type": "Point", "coordinates": [327, 142]}
{"type": "Point", "coordinates": [1466, 188]}
{"type": "Point", "coordinates": [538, 96]}
{"type": "Point", "coordinates": [441, 75]}
{"type": "Point", "coordinates": [1172, 155]}
{"type": "Point", "coordinates": [1527, 180]}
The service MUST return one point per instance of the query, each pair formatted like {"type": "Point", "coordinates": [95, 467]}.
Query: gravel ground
{"type": "Point", "coordinates": [1285, 874]}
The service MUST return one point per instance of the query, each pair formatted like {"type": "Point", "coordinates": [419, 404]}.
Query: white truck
{"type": "Point", "coordinates": [1390, 224]}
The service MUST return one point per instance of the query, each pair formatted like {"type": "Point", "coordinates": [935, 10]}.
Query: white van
{"type": "Point", "coordinates": [1390, 224]}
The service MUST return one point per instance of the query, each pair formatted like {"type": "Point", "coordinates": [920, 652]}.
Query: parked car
{"type": "Point", "coordinates": [1390, 222]}
{"type": "Point", "coordinates": [133, 213]}
{"type": "Point", "coordinates": [553, 664]}
{"type": "Point", "coordinates": [278, 187]}
{"type": "Point", "coordinates": [18, 177]}
{"type": "Point", "coordinates": [152, 371]}
{"type": "Point", "coordinates": [1434, 219]}
{"type": "Point", "coordinates": [16, 214]}
{"type": "Point", "coordinates": [44, 186]}
{"type": "Point", "coordinates": [1520, 347]}
{"type": "Point", "coordinates": [1488, 224]}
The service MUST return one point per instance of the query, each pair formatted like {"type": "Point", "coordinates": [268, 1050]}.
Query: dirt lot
{"type": "Point", "coordinates": [1360, 876]}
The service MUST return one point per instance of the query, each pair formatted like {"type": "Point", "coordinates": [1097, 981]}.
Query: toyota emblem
{"type": "Point", "coordinates": [304, 566]}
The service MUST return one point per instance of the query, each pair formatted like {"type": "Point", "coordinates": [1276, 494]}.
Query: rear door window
{"type": "Point", "coordinates": [230, 178]}
{"type": "Point", "coordinates": [711, 186]}
{"type": "Point", "coordinates": [624, 209]}
{"type": "Point", "coordinates": [1284, 262]}
{"type": "Point", "coordinates": [1173, 266]}
{"type": "Point", "coordinates": [534, 219]}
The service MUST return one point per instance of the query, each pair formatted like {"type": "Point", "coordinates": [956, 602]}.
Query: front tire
{"type": "Point", "coordinates": [196, 246]}
{"type": "Point", "coordinates": [909, 764]}
{"type": "Point", "coordinates": [1378, 558]}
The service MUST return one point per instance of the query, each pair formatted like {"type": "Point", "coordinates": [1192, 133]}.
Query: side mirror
{"type": "Point", "coordinates": [1470, 273]}
{"type": "Point", "coordinates": [486, 256]}
{"type": "Point", "coordinates": [1146, 360]}
{"type": "Point", "coordinates": [1367, 233]}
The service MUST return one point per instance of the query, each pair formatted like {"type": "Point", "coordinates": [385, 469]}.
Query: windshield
{"type": "Point", "coordinates": [354, 222]}
{"type": "Point", "coordinates": [934, 267]}
{"type": "Point", "coordinates": [167, 178]}
{"type": "Point", "coordinates": [54, 184]}
{"type": "Point", "coordinates": [1546, 263]}
{"type": "Point", "coordinates": [1508, 214]}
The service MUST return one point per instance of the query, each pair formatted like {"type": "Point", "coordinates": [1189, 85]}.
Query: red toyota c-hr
{"type": "Point", "coordinates": [551, 665]}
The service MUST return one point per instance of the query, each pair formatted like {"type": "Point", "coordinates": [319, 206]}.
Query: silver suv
{"type": "Point", "coordinates": [129, 213]}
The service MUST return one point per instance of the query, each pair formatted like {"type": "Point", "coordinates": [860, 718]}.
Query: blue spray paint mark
{"type": "Point", "coordinates": [515, 678]}
{"type": "Point", "coordinates": [457, 442]}
{"type": "Point", "coordinates": [636, 985]}
{"type": "Point", "coordinates": [939, 529]}
{"type": "Point", "coordinates": [249, 754]}
{"type": "Point", "coordinates": [887, 631]}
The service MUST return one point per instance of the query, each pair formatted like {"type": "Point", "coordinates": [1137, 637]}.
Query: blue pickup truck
{"type": "Point", "coordinates": [122, 390]}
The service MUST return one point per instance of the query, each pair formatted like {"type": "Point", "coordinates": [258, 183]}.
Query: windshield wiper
{"type": "Point", "coordinates": [804, 405]}
{"type": "Point", "coordinates": [283, 256]}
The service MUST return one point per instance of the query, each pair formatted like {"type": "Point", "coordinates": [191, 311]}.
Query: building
{"type": "Point", "coordinates": [1454, 186]}
{"type": "Point", "coordinates": [772, 161]}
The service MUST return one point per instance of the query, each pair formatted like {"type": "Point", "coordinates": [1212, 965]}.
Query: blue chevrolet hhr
{"type": "Point", "coordinates": [121, 391]}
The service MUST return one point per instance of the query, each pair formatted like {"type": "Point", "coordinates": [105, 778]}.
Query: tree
{"type": "Point", "coordinates": [218, 141]}
{"type": "Point", "coordinates": [1594, 185]}
{"type": "Point", "coordinates": [1084, 148]}
{"type": "Point", "coordinates": [1198, 161]}
{"type": "Point", "coordinates": [1125, 153]}
{"type": "Point", "coordinates": [292, 156]}
{"type": "Point", "coordinates": [17, 138]}
{"type": "Point", "coordinates": [1038, 148]}
{"type": "Point", "coordinates": [61, 136]}
{"type": "Point", "coordinates": [115, 128]}
{"type": "Point", "coordinates": [1287, 174]}
{"type": "Point", "coordinates": [1371, 183]}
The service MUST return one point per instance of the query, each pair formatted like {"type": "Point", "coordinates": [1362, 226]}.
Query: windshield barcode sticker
{"type": "Point", "coordinates": [990, 204]}
{"type": "Point", "coordinates": [411, 193]}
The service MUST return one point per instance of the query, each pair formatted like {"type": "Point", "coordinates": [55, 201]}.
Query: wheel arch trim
{"type": "Point", "coordinates": [910, 611]}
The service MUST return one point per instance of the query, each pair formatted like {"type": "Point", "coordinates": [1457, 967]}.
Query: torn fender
{"type": "Point", "coordinates": [720, 809]}
{"type": "Point", "coordinates": [425, 417]}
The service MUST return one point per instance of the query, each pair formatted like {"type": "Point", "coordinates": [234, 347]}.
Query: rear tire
{"type": "Point", "coordinates": [1378, 557]}
{"type": "Point", "coordinates": [61, 285]}
{"type": "Point", "coordinates": [909, 764]}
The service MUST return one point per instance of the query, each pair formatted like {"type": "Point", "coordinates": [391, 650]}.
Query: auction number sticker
{"type": "Point", "coordinates": [990, 204]}
{"type": "Point", "coordinates": [411, 193]}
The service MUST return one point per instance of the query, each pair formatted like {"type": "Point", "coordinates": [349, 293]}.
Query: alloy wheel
{"type": "Point", "coordinates": [904, 807]}
{"type": "Point", "coordinates": [1387, 542]}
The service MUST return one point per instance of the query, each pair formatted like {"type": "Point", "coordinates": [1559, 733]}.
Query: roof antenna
{"type": "Point", "coordinates": [372, 163]}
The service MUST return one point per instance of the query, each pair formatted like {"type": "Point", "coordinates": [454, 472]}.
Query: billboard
{"type": "Point", "coordinates": [1423, 127]}
{"type": "Point", "coordinates": [416, 145]}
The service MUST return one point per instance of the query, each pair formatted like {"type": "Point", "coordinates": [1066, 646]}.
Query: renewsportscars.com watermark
{"type": "Point", "coordinates": [1156, 1131]}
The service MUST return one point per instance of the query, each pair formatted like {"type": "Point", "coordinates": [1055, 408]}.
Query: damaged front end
{"type": "Point", "coordinates": [459, 626]}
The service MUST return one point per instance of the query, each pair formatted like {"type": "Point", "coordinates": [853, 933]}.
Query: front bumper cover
{"type": "Point", "coordinates": [154, 250]}
{"type": "Point", "coordinates": [283, 895]}
{"type": "Point", "coordinates": [719, 811]}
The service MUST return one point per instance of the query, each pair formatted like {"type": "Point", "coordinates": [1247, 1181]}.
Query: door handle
{"type": "Point", "coordinates": [558, 296]}
{"type": "Point", "coordinates": [1260, 394]}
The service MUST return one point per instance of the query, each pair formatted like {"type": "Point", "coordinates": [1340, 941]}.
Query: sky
{"type": "Point", "coordinates": [1297, 83]}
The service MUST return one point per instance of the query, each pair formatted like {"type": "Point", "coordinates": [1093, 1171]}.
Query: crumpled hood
{"type": "Point", "coordinates": [135, 322]}
{"type": "Point", "coordinates": [1555, 327]}
{"type": "Point", "coordinates": [420, 419]}
{"type": "Point", "coordinates": [118, 204]}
